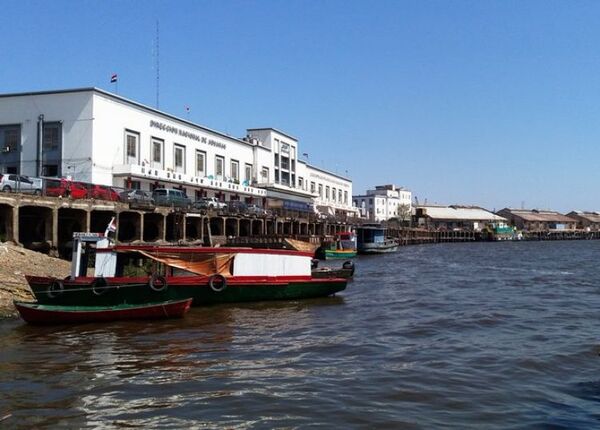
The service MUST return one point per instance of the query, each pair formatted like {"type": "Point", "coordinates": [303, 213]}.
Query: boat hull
{"type": "Point", "coordinates": [36, 313]}
{"type": "Point", "coordinates": [137, 290]}
{"type": "Point", "coordinates": [332, 254]}
{"type": "Point", "coordinates": [378, 249]}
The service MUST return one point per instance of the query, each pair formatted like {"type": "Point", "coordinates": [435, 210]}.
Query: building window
{"type": "Point", "coordinates": [52, 135]}
{"type": "Point", "coordinates": [219, 167]}
{"type": "Point", "coordinates": [248, 173]}
{"type": "Point", "coordinates": [179, 156]}
{"type": "Point", "coordinates": [264, 174]}
{"type": "Point", "coordinates": [327, 192]}
{"type": "Point", "coordinates": [340, 197]}
{"type": "Point", "coordinates": [345, 197]}
{"type": "Point", "coordinates": [285, 163]}
{"type": "Point", "coordinates": [300, 182]}
{"type": "Point", "coordinates": [293, 165]}
{"type": "Point", "coordinates": [50, 170]}
{"type": "Point", "coordinates": [313, 188]}
{"type": "Point", "coordinates": [276, 176]}
{"type": "Point", "coordinates": [321, 190]}
{"type": "Point", "coordinates": [235, 170]}
{"type": "Point", "coordinates": [132, 151]}
{"type": "Point", "coordinates": [276, 156]}
{"type": "Point", "coordinates": [200, 163]}
{"type": "Point", "coordinates": [333, 194]}
{"type": "Point", "coordinates": [9, 138]}
{"type": "Point", "coordinates": [157, 153]}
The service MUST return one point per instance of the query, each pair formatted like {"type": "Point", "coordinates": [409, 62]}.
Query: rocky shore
{"type": "Point", "coordinates": [15, 263]}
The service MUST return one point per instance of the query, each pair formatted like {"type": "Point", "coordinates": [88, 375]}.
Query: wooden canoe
{"type": "Point", "coordinates": [35, 313]}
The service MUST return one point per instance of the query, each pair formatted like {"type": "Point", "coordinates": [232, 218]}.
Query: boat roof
{"type": "Point", "coordinates": [203, 250]}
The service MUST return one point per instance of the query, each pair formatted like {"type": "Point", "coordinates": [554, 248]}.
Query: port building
{"type": "Point", "coordinates": [456, 217]}
{"type": "Point", "coordinates": [384, 202]}
{"type": "Point", "coordinates": [95, 136]}
{"type": "Point", "coordinates": [586, 220]}
{"type": "Point", "coordinates": [534, 220]}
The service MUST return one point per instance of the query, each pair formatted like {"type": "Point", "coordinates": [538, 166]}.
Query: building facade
{"type": "Point", "coordinates": [533, 220]}
{"type": "Point", "coordinates": [468, 218]}
{"type": "Point", "coordinates": [91, 135]}
{"type": "Point", "coordinates": [586, 220]}
{"type": "Point", "coordinates": [384, 202]}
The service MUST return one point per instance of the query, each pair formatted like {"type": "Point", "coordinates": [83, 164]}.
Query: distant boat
{"type": "Point", "coordinates": [36, 313]}
{"type": "Point", "coordinates": [372, 239]}
{"type": "Point", "coordinates": [343, 246]}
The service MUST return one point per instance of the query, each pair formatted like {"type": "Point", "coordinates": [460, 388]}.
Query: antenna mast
{"type": "Point", "coordinates": [157, 65]}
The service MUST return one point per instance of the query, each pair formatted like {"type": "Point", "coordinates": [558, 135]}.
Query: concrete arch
{"type": "Point", "coordinates": [36, 227]}
{"type": "Point", "coordinates": [153, 227]}
{"type": "Point", "coordinates": [130, 226]}
{"type": "Point", "coordinates": [257, 227]}
{"type": "Point", "coordinates": [232, 227]}
{"type": "Point", "coordinates": [217, 226]}
{"type": "Point", "coordinates": [245, 227]}
{"type": "Point", "coordinates": [7, 215]}
{"type": "Point", "coordinates": [99, 220]}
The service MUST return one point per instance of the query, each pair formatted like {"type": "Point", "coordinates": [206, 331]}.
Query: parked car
{"type": "Point", "coordinates": [136, 196]}
{"type": "Point", "coordinates": [256, 210]}
{"type": "Point", "coordinates": [20, 183]}
{"type": "Point", "coordinates": [102, 192]}
{"type": "Point", "coordinates": [171, 197]}
{"type": "Point", "coordinates": [209, 203]}
{"type": "Point", "coordinates": [66, 188]}
{"type": "Point", "coordinates": [236, 207]}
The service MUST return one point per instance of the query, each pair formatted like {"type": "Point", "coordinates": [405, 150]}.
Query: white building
{"type": "Point", "coordinates": [385, 202]}
{"type": "Point", "coordinates": [95, 136]}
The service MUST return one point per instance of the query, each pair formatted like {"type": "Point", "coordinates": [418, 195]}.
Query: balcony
{"type": "Point", "coordinates": [145, 172]}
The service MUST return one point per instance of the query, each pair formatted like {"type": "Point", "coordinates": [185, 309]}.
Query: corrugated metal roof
{"type": "Point", "coordinates": [460, 213]}
{"type": "Point", "coordinates": [541, 216]}
{"type": "Point", "coordinates": [588, 216]}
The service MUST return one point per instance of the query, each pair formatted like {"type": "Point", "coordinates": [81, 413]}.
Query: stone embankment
{"type": "Point", "coordinates": [15, 263]}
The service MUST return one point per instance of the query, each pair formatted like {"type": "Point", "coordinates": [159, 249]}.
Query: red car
{"type": "Point", "coordinates": [65, 188]}
{"type": "Point", "coordinates": [102, 192]}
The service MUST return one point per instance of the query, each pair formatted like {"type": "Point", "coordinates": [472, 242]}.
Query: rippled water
{"type": "Point", "coordinates": [502, 335]}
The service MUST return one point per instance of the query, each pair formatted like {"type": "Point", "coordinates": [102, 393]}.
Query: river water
{"type": "Point", "coordinates": [479, 335]}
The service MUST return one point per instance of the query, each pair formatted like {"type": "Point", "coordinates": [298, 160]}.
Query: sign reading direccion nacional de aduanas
{"type": "Point", "coordinates": [180, 132]}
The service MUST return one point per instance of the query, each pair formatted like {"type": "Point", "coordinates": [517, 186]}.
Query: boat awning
{"type": "Point", "coordinates": [200, 264]}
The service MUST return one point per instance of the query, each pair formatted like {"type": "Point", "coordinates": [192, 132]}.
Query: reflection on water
{"type": "Point", "coordinates": [497, 335]}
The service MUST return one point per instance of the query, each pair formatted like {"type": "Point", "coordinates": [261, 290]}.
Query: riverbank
{"type": "Point", "coordinates": [15, 262]}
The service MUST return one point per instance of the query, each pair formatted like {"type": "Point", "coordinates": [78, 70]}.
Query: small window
{"type": "Point", "coordinates": [219, 166]}
{"type": "Point", "coordinates": [200, 163]}
{"type": "Point", "coordinates": [179, 156]}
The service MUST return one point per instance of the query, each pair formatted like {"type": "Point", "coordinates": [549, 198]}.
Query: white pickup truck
{"type": "Point", "coordinates": [12, 183]}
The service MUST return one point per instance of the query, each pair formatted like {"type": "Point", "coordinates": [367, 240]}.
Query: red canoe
{"type": "Point", "coordinates": [36, 313]}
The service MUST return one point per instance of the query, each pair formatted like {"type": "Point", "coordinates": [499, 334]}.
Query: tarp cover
{"type": "Point", "coordinates": [199, 263]}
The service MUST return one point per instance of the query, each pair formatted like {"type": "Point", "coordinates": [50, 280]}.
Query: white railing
{"type": "Point", "coordinates": [147, 172]}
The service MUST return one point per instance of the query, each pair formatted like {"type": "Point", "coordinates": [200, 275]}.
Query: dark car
{"type": "Point", "coordinates": [256, 210]}
{"type": "Point", "coordinates": [136, 196]}
{"type": "Point", "coordinates": [236, 207]}
{"type": "Point", "coordinates": [171, 197]}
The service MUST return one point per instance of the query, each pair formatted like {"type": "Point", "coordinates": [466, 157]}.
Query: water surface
{"type": "Point", "coordinates": [502, 335]}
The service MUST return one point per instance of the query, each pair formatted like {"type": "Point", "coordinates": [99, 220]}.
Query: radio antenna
{"type": "Point", "coordinates": [157, 65]}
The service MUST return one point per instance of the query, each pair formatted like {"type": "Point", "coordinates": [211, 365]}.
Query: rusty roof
{"type": "Point", "coordinates": [540, 216]}
{"type": "Point", "coordinates": [588, 216]}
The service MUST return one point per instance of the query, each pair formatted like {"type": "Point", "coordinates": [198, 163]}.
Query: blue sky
{"type": "Point", "coordinates": [492, 103]}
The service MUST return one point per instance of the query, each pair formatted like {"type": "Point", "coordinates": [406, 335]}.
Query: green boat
{"type": "Point", "coordinates": [207, 275]}
{"type": "Point", "coordinates": [343, 247]}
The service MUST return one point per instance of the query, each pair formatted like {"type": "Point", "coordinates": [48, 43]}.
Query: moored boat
{"type": "Point", "coordinates": [343, 246]}
{"type": "Point", "coordinates": [36, 313]}
{"type": "Point", "coordinates": [345, 271]}
{"type": "Point", "coordinates": [145, 274]}
{"type": "Point", "coordinates": [373, 239]}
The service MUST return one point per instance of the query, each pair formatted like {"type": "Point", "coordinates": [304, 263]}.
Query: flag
{"type": "Point", "coordinates": [113, 78]}
{"type": "Point", "coordinates": [112, 227]}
